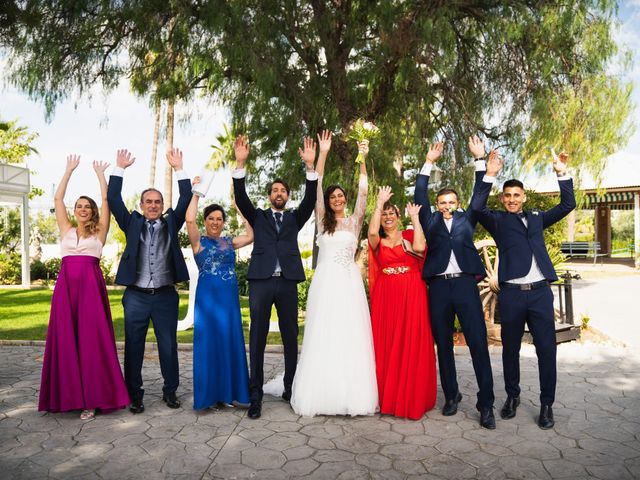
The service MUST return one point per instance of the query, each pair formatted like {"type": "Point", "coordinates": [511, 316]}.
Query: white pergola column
{"type": "Point", "coordinates": [636, 227]}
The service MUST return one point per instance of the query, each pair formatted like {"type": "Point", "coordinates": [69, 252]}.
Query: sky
{"type": "Point", "coordinates": [95, 128]}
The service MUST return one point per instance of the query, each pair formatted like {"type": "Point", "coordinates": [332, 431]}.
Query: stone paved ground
{"type": "Point", "coordinates": [597, 431]}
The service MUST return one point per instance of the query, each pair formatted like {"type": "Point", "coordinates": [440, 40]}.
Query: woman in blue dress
{"type": "Point", "coordinates": [220, 372]}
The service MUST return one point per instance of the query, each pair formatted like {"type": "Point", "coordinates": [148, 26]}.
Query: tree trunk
{"type": "Point", "coordinates": [168, 173]}
{"type": "Point", "coordinates": [154, 148]}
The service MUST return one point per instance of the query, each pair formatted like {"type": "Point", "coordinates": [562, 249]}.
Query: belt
{"type": "Point", "coordinates": [152, 291]}
{"type": "Point", "coordinates": [396, 270]}
{"type": "Point", "coordinates": [447, 276]}
{"type": "Point", "coordinates": [276, 274]}
{"type": "Point", "coordinates": [525, 286]}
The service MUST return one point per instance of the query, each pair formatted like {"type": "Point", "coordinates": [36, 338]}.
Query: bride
{"type": "Point", "coordinates": [336, 373]}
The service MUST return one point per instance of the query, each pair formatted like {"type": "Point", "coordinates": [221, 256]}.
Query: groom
{"type": "Point", "coordinates": [275, 268]}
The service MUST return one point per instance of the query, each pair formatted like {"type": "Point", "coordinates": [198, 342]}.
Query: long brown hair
{"type": "Point", "coordinates": [329, 222]}
{"type": "Point", "coordinates": [93, 224]}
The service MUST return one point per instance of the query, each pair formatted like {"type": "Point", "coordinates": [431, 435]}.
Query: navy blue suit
{"type": "Point", "coordinates": [518, 245]}
{"type": "Point", "coordinates": [162, 306]}
{"type": "Point", "coordinates": [455, 296]}
{"type": "Point", "coordinates": [271, 245]}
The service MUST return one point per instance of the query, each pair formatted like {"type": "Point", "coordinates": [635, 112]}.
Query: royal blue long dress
{"type": "Point", "coordinates": [219, 358]}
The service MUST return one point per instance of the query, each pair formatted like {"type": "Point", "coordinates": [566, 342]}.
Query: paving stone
{"type": "Point", "coordinates": [326, 431]}
{"type": "Point", "coordinates": [374, 461]}
{"type": "Point", "coordinates": [300, 467]}
{"type": "Point", "coordinates": [262, 458]}
{"type": "Point", "coordinates": [355, 444]}
{"type": "Point", "coordinates": [407, 452]}
{"type": "Point", "coordinates": [612, 472]}
{"type": "Point", "coordinates": [448, 466]}
{"type": "Point", "coordinates": [332, 456]}
{"type": "Point", "coordinates": [231, 471]}
{"type": "Point", "coordinates": [410, 467]}
{"type": "Point", "coordinates": [283, 441]}
{"type": "Point", "coordinates": [560, 468]}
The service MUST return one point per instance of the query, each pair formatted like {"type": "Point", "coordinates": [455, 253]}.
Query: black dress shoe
{"type": "Point", "coordinates": [171, 400]}
{"type": "Point", "coordinates": [509, 408]}
{"type": "Point", "coordinates": [286, 395]}
{"type": "Point", "coordinates": [255, 410]}
{"type": "Point", "coordinates": [545, 420]}
{"type": "Point", "coordinates": [136, 406]}
{"type": "Point", "coordinates": [451, 406]}
{"type": "Point", "coordinates": [487, 419]}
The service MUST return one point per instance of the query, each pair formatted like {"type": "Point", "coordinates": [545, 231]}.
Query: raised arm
{"type": "Point", "coordinates": [384, 195]}
{"type": "Point", "coordinates": [567, 196]}
{"type": "Point", "coordinates": [324, 143]}
{"type": "Point", "coordinates": [242, 240]}
{"type": "Point", "coordinates": [241, 150]}
{"type": "Point", "coordinates": [477, 151]}
{"type": "Point", "coordinates": [62, 218]}
{"type": "Point", "coordinates": [363, 189]}
{"type": "Point", "coordinates": [420, 194]}
{"type": "Point", "coordinates": [308, 156]}
{"type": "Point", "coordinates": [114, 192]}
{"type": "Point", "coordinates": [174, 158]}
{"type": "Point", "coordinates": [191, 220]}
{"type": "Point", "coordinates": [481, 194]}
{"type": "Point", "coordinates": [419, 242]}
{"type": "Point", "coordinates": [105, 213]}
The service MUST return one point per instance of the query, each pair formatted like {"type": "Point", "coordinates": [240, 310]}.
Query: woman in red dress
{"type": "Point", "coordinates": [405, 357]}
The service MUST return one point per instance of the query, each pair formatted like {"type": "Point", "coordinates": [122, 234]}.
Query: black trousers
{"type": "Point", "coordinates": [448, 298]}
{"type": "Point", "coordinates": [162, 309]}
{"type": "Point", "coordinates": [535, 307]}
{"type": "Point", "coordinates": [263, 294]}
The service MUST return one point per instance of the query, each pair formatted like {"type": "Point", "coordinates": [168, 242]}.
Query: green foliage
{"type": "Point", "coordinates": [10, 268]}
{"type": "Point", "coordinates": [46, 226]}
{"type": "Point", "coordinates": [53, 267]}
{"type": "Point", "coordinates": [15, 142]}
{"type": "Point", "coordinates": [38, 270]}
{"type": "Point", "coordinates": [303, 289]}
{"type": "Point", "coordinates": [106, 266]}
{"type": "Point", "coordinates": [9, 229]}
{"type": "Point", "coordinates": [622, 226]}
{"type": "Point", "coordinates": [242, 267]}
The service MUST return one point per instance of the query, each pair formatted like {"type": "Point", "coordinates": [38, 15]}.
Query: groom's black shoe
{"type": "Point", "coordinates": [136, 406]}
{"type": "Point", "coordinates": [451, 406]}
{"type": "Point", "coordinates": [487, 419]}
{"type": "Point", "coordinates": [545, 420]}
{"type": "Point", "coordinates": [509, 408]}
{"type": "Point", "coordinates": [171, 400]}
{"type": "Point", "coordinates": [286, 395]}
{"type": "Point", "coordinates": [255, 410]}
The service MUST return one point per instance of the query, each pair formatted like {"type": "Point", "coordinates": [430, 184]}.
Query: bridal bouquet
{"type": "Point", "coordinates": [360, 131]}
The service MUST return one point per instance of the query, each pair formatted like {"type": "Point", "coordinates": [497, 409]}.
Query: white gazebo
{"type": "Point", "coordinates": [14, 190]}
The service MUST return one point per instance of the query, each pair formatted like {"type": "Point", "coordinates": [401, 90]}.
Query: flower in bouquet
{"type": "Point", "coordinates": [360, 131]}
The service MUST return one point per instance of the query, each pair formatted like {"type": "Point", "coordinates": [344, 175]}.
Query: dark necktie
{"type": "Point", "coordinates": [278, 216]}
{"type": "Point", "coordinates": [152, 224]}
{"type": "Point", "coordinates": [521, 215]}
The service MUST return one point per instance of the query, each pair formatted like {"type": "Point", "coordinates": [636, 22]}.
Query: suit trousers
{"type": "Point", "coordinates": [263, 294]}
{"type": "Point", "coordinates": [535, 307]}
{"type": "Point", "coordinates": [162, 309]}
{"type": "Point", "coordinates": [459, 296]}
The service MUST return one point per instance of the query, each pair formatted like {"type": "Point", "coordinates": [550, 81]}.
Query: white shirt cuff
{"type": "Point", "coordinates": [182, 175]}
{"type": "Point", "coordinates": [239, 173]}
{"type": "Point", "coordinates": [312, 176]}
{"type": "Point", "coordinates": [480, 165]}
{"type": "Point", "coordinates": [118, 172]}
{"type": "Point", "coordinates": [488, 179]}
{"type": "Point", "coordinates": [426, 169]}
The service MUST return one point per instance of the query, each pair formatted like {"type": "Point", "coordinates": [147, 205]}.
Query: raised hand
{"type": "Point", "coordinates": [384, 195]}
{"type": "Point", "coordinates": [124, 159]}
{"type": "Point", "coordinates": [195, 181]}
{"type": "Point", "coordinates": [99, 166]}
{"type": "Point", "coordinates": [72, 162]}
{"type": "Point", "coordinates": [241, 149]}
{"type": "Point", "coordinates": [413, 209]}
{"type": "Point", "coordinates": [308, 154]}
{"type": "Point", "coordinates": [324, 141]}
{"type": "Point", "coordinates": [476, 147]}
{"type": "Point", "coordinates": [494, 163]}
{"type": "Point", "coordinates": [363, 147]}
{"type": "Point", "coordinates": [560, 163]}
{"type": "Point", "coordinates": [174, 157]}
{"type": "Point", "coordinates": [435, 151]}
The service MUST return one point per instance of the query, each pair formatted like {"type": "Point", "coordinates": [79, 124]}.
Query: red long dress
{"type": "Point", "coordinates": [402, 339]}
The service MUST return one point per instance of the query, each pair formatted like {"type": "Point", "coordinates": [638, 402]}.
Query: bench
{"type": "Point", "coordinates": [582, 249]}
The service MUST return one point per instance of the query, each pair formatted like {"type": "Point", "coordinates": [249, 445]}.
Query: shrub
{"type": "Point", "coordinates": [242, 267]}
{"type": "Point", "coordinates": [106, 266]}
{"type": "Point", "coordinates": [10, 268]}
{"type": "Point", "coordinates": [38, 270]}
{"type": "Point", "coordinates": [303, 289]}
{"type": "Point", "coordinates": [53, 267]}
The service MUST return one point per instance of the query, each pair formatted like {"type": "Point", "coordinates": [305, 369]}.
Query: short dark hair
{"type": "Point", "coordinates": [214, 207]}
{"type": "Point", "coordinates": [446, 191]}
{"type": "Point", "coordinates": [512, 183]}
{"type": "Point", "coordinates": [278, 180]}
{"type": "Point", "coordinates": [144, 192]}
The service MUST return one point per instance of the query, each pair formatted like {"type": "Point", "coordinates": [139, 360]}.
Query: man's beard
{"type": "Point", "coordinates": [278, 202]}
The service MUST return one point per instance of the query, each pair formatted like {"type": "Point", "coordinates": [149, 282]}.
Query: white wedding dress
{"type": "Point", "coordinates": [336, 373]}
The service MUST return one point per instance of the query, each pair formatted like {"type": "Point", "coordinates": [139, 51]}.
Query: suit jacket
{"type": "Point", "coordinates": [131, 224]}
{"type": "Point", "coordinates": [516, 242]}
{"type": "Point", "coordinates": [270, 245]}
{"type": "Point", "coordinates": [440, 242]}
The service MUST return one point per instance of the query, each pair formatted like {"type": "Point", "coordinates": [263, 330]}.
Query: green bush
{"type": "Point", "coordinates": [10, 268]}
{"type": "Point", "coordinates": [242, 267]}
{"type": "Point", "coordinates": [38, 270]}
{"type": "Point", "coordinates": [106, 266]}
{"type": "Point", "coordinates": [303, 289]}
{"type": "Point", "coordinates": [53, 267]}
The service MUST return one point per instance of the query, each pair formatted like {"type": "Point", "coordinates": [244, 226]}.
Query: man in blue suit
{"type": "Point", "coordinates": [275, 268]}
{"type": "Point", "coordinates": [452, 267]}
{"type": "Point", "coordinates": [151, 264]}
{"type": "Point", "coordinates": [524, 274]}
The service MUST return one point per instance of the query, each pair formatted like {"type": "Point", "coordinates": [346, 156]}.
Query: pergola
{"type": "Point", "coordinates": [14, 190]}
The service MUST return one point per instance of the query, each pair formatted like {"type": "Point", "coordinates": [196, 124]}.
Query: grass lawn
{"type": "Point", "coordinates": [24, 315]}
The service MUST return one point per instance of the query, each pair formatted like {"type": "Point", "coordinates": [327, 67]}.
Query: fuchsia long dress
{"type": "Point", "coordinates": [80, 368]}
